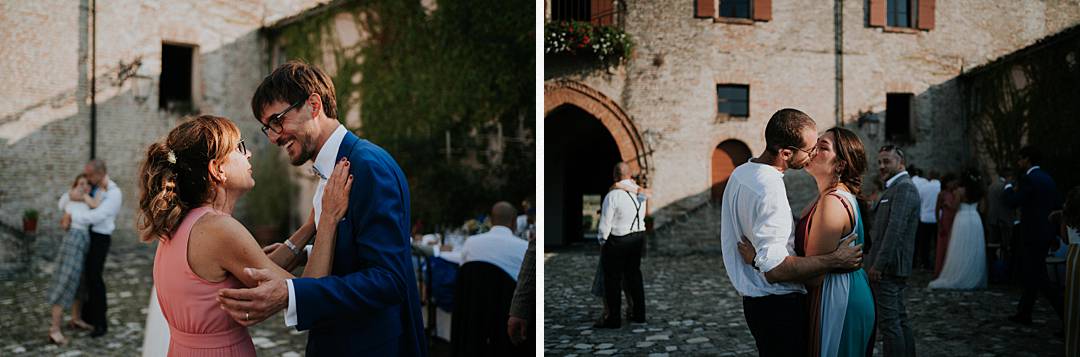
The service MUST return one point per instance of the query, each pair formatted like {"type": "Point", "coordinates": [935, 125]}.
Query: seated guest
{"type": "Point", "coordinates": [499, 246]}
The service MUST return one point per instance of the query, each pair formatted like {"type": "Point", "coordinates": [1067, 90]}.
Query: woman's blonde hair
{"type": "Point", "coordinates": [175, 177]}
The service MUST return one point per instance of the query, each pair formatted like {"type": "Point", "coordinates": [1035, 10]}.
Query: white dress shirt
{"type": "Point", "coordinates": [73, 208]}
{"type": "Point", "coordinates": [324, 166]}
{"type": "Point", "coordinates": [499, 246]}
{"type": "Point", "coordinates": [618, 210]}
{"type": "Point", "coordinates": [755, 206]}
{"type": "Point", "coordinates": [102, 219]}
{"type": "Point", "coordinates": [893, 179]}
{"type": "Point", "coordinates": [928, 192]}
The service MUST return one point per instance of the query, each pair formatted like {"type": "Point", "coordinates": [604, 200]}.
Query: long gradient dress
{"type": "Point", "coordinates": [842, 308]}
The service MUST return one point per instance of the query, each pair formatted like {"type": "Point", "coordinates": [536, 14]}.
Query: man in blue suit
{"type": "Point", "coordinates": [368, 305]}
{"type": "Point", "coordinates": [1037, 196]}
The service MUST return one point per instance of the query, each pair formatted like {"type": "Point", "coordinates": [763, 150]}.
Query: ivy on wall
{"type": "Point", "coordinates": [1032, 99]}
{"type": "Point", "coordinates": [464, 71]}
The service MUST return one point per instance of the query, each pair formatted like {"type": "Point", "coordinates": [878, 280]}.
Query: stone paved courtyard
{"type": "Point", "coordinates": [693, 310]}
{"type": "Point", "coordinates": [24, 313]}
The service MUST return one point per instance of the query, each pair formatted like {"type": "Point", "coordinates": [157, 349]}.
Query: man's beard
{"type": "Point", "coordinates": [792, 164]}
{"type": "Point", "coordinates": [305, 156]}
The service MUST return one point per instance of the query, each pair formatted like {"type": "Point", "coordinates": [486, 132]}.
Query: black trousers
{"type": "Point", "coordinates": [93, 310]}
{"type": "Point", "coordinates": [778, 323]}
{"type": "Point", "coordinates": [925, 237]}
{"type": "Point", "coordinates": [621, 257]}
{"type": "Point", "coordinates": [1036, 282]}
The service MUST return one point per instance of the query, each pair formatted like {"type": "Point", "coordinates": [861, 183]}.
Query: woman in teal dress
{"type": "Point", "coordinates": [841, 305]}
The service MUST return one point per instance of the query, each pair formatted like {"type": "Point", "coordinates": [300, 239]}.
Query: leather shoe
{"type": "Point", "coordinates": [98, 332]}
{"type": "Point", "coordinates": [607, 324]}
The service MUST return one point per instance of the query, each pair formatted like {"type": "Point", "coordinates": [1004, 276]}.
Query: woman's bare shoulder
{"type": "Point", "coordinates": [221, 227]}
{"type": "Point", "coordinates": [832, 213]}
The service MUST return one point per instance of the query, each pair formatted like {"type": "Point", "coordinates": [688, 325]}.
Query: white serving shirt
{"type": "Point", "coordinates": [323, 167]}
{"type": "Point", "coordinates": [618, 210]}
{"type": "Point", "coordinates": [928, 192]}
{"type": "Point", "coordinates": [755, 206]}
{"type": "Point", "coordinates": [499, 246]}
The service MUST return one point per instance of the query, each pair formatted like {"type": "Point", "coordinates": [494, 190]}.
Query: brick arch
{"type": "Point", "coordinates": [632, 148]}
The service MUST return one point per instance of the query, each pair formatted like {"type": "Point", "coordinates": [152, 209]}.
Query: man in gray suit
{"type": "Point", "coordinates": [892, 242]}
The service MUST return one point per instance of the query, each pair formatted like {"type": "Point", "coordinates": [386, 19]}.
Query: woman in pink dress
{"type": "Point", "coordinates": [189, 185]}
{"type": "Point", "coordinates": [946, 207]}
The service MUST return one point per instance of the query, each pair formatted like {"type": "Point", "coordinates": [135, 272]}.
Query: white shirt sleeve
{"type": "Point", "coordinates": [464, 252]}
{"type": "Point", "coordinates": [107, 211]}
{"type": "Point", "coordinates": [290, 313]}
{"type": "Point", "coordinates": [64, 199]}
{"type": "Point", "coordinates": [607, 214]}
{"type": "Point", "coordinates": [770, 232]}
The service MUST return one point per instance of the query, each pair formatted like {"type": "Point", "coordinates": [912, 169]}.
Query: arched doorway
{"type": "Point", "coordinates": [725, 157]}
{"type": "Point", "coordinates": [587, 134]}
{"type": "Point", "coordinates": [577, 170]}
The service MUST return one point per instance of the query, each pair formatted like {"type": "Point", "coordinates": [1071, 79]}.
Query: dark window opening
{"type": "Point", "coordinates": [176, 73]}
{"type": "Point", "coordinates": [571, 10]}
{"type": "Point", "coordinates": [735, 8]}
{"type": "Point", "coordinates": [898, 116]}
{"type": "Point", "coordinates": [900, 13]}
{"type": "Point", "coordinates": [733, 99]}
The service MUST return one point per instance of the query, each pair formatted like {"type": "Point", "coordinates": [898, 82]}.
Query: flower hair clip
{"type": "Point", "coordinates": [171, 157]}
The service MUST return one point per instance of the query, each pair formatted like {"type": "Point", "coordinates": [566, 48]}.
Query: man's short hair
{"type": "Point", "coordinates": [98, 165]}
{"type": "Point", "coordinates": [292, 82]}
{"type": "Point", "coordinates": [896, 149]}
{"type": "Point", "coordinates": [503, 214]}
{"type": "Point", "coordinates": [621, 170]}
{"type": "Point", "coordinates": [1033, 154]}
{"type": "Point", "coordinates": [785, 129]}
{"type": "Point", "coordinates": [914, 171]}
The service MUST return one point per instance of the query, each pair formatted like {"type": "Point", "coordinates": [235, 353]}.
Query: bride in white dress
{"type": "Point", "coordinates": [965, 259]}
{"type": "Point", "coordinates": [156, 333]}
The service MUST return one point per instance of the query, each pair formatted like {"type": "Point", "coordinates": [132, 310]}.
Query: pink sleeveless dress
{"type": "Point", "coordinates": [197, 326]}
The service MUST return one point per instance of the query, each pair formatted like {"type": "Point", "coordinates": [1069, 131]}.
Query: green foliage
{"type": "Point", "coordinates": [608, 44]}
{"type": "Point", "coordinates": [1032, 96]}
{"type": "Point", "coordinates": [467, 70]}
{"type": "Point", "coordinates": [271, 200]}
{"type": "Point", "coordinates": [31, 214]}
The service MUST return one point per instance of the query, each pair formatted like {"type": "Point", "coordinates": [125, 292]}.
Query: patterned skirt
{"type": "Point", "coordinates": [70, 257]}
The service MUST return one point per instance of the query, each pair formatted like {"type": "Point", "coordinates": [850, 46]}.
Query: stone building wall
{"type": "Point", "coordinates": [668, 87]}
{"type": "Point", "coordinates": [44, 101]}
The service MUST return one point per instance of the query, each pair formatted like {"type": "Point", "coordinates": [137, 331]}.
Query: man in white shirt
{"type": "Point", "coordinates": [498, 246]}
{"type": "Point", "coordinates": [621, 235]}
{"type": "Point", "coordinates": [926, 234]}
{"type": "Point", "coordinates": [102, 222]}
{"type": "Point", "coordinates": [755, 210]}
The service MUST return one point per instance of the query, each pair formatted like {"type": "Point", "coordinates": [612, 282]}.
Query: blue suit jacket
{"type": "Point", "coordinates": [369, 304]}
{"type": "Point", "coordinates": [1037, 196]}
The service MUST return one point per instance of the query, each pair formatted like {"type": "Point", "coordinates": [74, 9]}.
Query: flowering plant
{"type": "Point", "coordinates": [607, 43]}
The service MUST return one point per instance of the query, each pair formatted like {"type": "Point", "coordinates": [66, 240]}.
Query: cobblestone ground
{"type": "Point", "coordinates": [692, 309]}
{"type": "Point", "coordinates": [24, 313]}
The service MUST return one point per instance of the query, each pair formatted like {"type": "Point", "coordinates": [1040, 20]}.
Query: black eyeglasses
{"type": "Point", "coordinates": [274, 122]}
{"type": "Point", "coordinates": [241, 147]}
{"type": "Point", "coordinates": [808, 152]}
